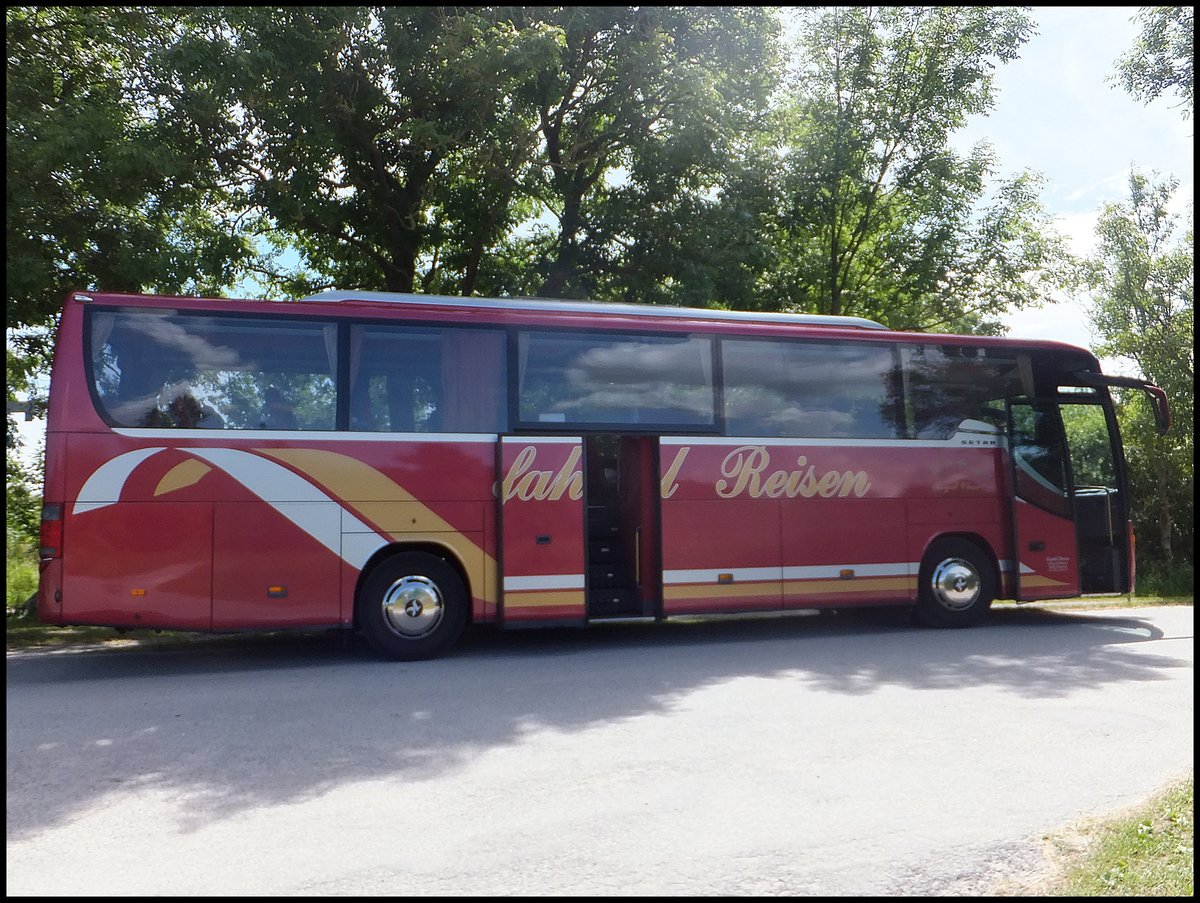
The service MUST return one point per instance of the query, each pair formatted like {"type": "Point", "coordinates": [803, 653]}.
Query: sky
{"type": "Point", "coordinates": [1057, 113]}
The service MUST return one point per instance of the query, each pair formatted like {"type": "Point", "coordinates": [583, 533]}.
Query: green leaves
{"type": "Point", "coordinates": [1163, 59]}
{"type": "Point", "coordinates": [878, 215]}
{"type": "Point", "coordinates": [1142, 284]}
{"type": "Point", "coordinates": [638, 153]}
{"type": "Point", "coordinates": [103, 190]}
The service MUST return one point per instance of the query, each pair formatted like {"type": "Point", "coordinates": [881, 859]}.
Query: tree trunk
{"type": "Point", "coordinates": [560, 280]}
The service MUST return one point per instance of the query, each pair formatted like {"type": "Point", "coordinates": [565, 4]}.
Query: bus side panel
{"type": "Point", "coordinates": [414, 524]}
{"type": "Point", "coordinates": [49, 598]}
{"type": "Point", "coordinates": [1047, 556]}
{"type": "Point", "coordinates": [967, 497]}
{"type": "Point", "coordinates": [844, 551]}
{"type": "Point", "coordinates": [134, 553]}
{"type": "Point", "coordinates": [267, 572]}
{"type": "Point", "coordinates": [842, 514]}
{"type": "Point", "coordinates": [66, 370]}
{"type": "Point", "coordinates": [139, 564]}
{"type": "Point", "coordinates": [396, 492]}
{"type": "Point", "coordinates": [542, 526]}
{"type": "Point", "coordinates": [720, 544]}
{"type": "Point", "coordinates": [720, 555]}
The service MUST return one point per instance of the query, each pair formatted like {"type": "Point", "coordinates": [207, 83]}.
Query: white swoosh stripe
{"type": "Point", "coordinates": [830, 571]}
{"type": "Point", "coordinates": [711, 575]}
{"type": "Point", "coordinates": [813, 572]}
{"type": "Point", "coordinates": [299, 435]}
{"type": "Point", "coordinates": [104, 486]}
{"type": "Point", "coordinates": [317, 514]}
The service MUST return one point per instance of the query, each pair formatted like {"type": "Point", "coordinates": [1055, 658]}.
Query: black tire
{"type": "Point", "coordinates": [412, 606]}
{"type": "Point", "coordinates": [957, 584]}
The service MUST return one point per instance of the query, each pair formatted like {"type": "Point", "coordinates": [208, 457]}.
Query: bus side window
{"type": "Point", "coordinates": [810, 389]}
{"type": "Point", "coordinates": [947, 388]}
{"type": "Point", "coordinates": [278, 413]}
{"type": "Point", "coordinates": [579, 379]}
{"type": "Point", "coordinates": [179, 370]}
{"type": "Point", "coordinates": [426, 380]}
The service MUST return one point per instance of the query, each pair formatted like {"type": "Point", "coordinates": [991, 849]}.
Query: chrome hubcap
{"type": "Point", "coordinates": [412, 606]}
{"type": "Point", "coordinates": [956, 584]}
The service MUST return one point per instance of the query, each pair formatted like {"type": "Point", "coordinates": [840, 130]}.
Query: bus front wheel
{"type": "Point", "coordinates": [957, 584]}
{"type": "Point", "coordinates": [412, 606]}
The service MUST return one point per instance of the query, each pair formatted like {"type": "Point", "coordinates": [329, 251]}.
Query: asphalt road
{"type": "Point", "coordinates": [818, 755]}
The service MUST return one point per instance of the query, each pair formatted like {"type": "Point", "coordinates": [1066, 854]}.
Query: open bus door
{"type": "Point", "coordinates": [1069, 507]}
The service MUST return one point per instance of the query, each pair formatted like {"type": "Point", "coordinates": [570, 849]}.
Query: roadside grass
{"type": "Point", "coordinates": [1099, 602]}
{"type": "Point", "coordinates": [23, 630]}
{"type": "Point", "coordinates": [20, 569]}
{"type": "Point", "coordinates": [1147, 852]}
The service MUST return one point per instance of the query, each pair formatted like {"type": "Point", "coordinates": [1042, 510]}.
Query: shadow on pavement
{"type": "Point", "coordinates": [236, 722]}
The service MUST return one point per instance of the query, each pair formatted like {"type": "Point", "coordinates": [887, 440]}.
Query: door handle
{"type": "Point", "coordinates": [1037, 546]}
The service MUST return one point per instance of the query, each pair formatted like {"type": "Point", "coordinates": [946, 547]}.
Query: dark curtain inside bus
{"type": "Point", "coordinates": [473, 373]}
{"type": "Point", "coordinates": [417, 379]}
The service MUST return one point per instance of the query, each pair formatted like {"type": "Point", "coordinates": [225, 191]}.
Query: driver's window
{"type": "Point", "coordinates": [1038, 457]}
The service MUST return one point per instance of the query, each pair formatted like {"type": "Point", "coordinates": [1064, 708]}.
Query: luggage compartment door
{"type": "Point", "coordinates": [542, 529]}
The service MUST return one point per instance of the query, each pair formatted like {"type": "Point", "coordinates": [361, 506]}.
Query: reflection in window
{"type": "Point", "coordinates": [414, 379]}
{"type": "Point", "coordinates": [176, 370]}
{"type": "Point", "coordinates": [810, 389]}
{"type": "Point", "coordinates": [1039, 457]}
{"type": "Point", "coordinates": [948, 384]}
{"type": "Point", "coordinates": [575, 378]}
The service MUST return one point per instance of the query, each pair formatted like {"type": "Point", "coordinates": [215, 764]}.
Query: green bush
{"type": "Point", "coordinates": [1157, 579]}
{"type": "Point", "coordinates": [21, 569]}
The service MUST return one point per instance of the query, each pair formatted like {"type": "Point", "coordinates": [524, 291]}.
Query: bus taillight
{"type": "Point", "coordinates": [52, 532]}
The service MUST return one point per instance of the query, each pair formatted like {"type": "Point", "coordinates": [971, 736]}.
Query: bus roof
{"type": "Point", "coordinates": [544, 309]}
{"type": "Point", "coordinates": [548, 305]}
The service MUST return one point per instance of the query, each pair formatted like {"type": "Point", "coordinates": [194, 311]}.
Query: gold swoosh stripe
{"type": "Point", "coordinates": [789, 587]}
{"type": "Point", "coordinates": [349, 478]}
{"type": "Point", "coordinates": [181, 475]}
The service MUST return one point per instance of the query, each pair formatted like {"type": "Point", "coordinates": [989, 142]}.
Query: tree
{"type": "Point", "coordinates": [878, 215]}
{"type": "Point", "coordinates": [104, 189]}
{"type": "Point", "coordinates": [1142, 281]}
{"type": "Point", "coordinates": [692, 242]}
{"type": "Point", "coordinates": [1162, 58]}
{"type": "Point", "coordinates": [379, 141]}
{"type": "Point", "coordinates": [637, 120]}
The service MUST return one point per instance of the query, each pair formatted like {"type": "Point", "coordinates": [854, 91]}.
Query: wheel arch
{"type": "Point", "coordinates": [383, 553]}
{"type": "Point", "coordinates": [976, 540]}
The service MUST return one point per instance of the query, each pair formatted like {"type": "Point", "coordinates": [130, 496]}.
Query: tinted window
{"type": "Point", "coordinates": [1039, 456]}
{"type": "Point", "coordinates": [175, 370]}
{"type": "Point", "coordinates": [416, 379]}
{"type": "Point", "coordinates": [574, 378]}
{"type": "Point", "coordinates": [947, 385]}
{"type": "Point", "coordinates": [810, 389]}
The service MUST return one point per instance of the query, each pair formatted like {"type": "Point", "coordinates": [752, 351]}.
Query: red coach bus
{"type": "Point", "coordinates": [404, 465]}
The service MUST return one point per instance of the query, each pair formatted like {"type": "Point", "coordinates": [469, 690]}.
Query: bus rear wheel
{"type": "Point", "coordinates": [957, 584]}
{"type": "Point", "coordinates": [412, 606]}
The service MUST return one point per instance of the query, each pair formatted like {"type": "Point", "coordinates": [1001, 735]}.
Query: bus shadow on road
{"type": "Point", "coordinates": [232, 724]}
